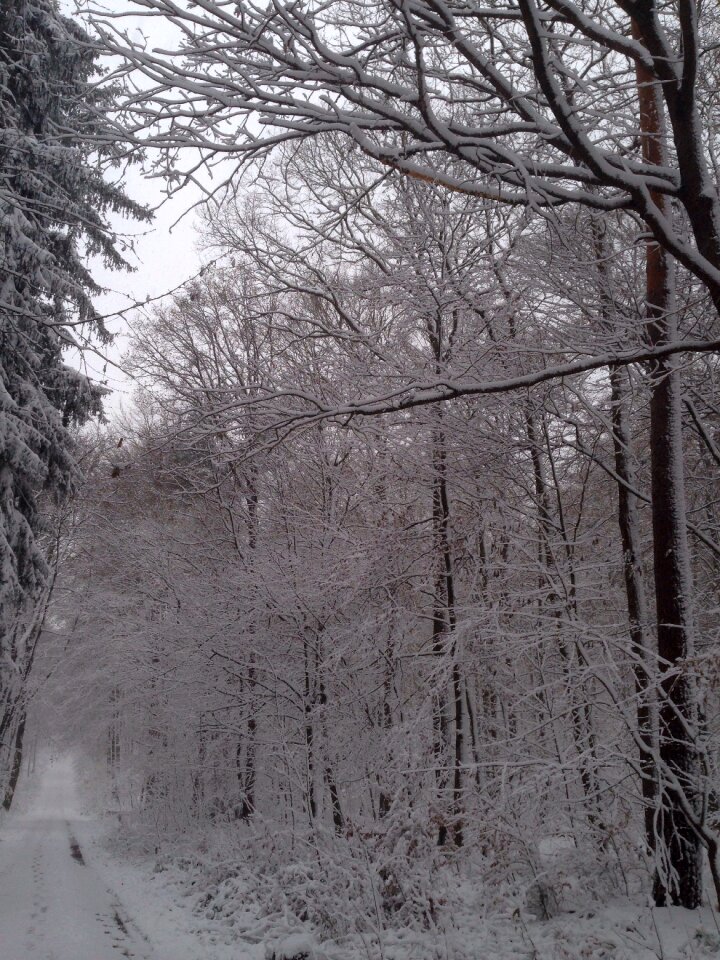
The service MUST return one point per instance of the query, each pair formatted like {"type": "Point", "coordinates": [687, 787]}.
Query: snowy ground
{"type": "Point", "coordinates": [68, 892]}
{"type": "Point", "coordinates": [62, 898]}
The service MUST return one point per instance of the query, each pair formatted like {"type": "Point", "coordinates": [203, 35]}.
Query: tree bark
{"type": "Point", "coordinates": [17, 755]}
{"type": "Point", "coordinates": [445, 645]}
{"type": "Point", "coordinates": [309, 732]}
{"type": "Point", "coordinates": [564, 610]}
{"type": "Point", "coordinates": [643, 668]}
{"type": "Point", "coordinates": [679, 874]}
{"type": "Point", "coordinates": [247, 807]}
{"type": "Point", "coordinates": [644, 664]}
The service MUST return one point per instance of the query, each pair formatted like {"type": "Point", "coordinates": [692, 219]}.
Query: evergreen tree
{"type": "Point", "coordinates": [55, 148]}
{"type": "Point", "coordinates": [53, 203]}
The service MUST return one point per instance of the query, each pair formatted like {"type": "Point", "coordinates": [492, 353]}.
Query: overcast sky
{"type": "Point", "coordinates": [164, 256]}
{"type": "Point", "coordinates": [165, 251]}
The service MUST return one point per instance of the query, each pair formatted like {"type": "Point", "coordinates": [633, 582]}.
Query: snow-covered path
{"type": "Point", "coordinates": [54, 904]}
{"type": "Point", "coordinates": [62, 898]}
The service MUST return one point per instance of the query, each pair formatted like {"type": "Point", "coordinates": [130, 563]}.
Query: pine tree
{"type": "Point", "coordinates": [55, 148]}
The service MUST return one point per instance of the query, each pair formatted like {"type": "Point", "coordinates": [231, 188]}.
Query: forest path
{"type": "Point", "coordinates": [54, 904]}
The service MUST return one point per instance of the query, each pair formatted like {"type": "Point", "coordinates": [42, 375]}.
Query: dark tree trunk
{"type": "Point", "coordinates": [679, 876]}
{"type": "Point", "coordinates": [644, 663]}
{"type": "Point", "coordinates": [248, 775]}
{"type": "Point", "coordinates": [447, 752]}
{"type": "Point", "coordinates": [335, 806]}
{"type": "Point", "coordinates": [451, 617]}
{"type": "Point", "coordinates": [113, 755]}
{"type": "Point", "coordinates": [248, 778]}
{"type": "Point", "coordinates": [309, 734]}
{"type": "Point", "coordinates": [643, 667]}
{"type": "Point", "coordinates": [562, 609]}
{"type": "Point", "coordinates": [16, 762]}
{"type": "Point", "coordinates": [384, 799]}
{"type": "Point", "coordinates": [681, 880]}
{"type": "Point", "coordinates": [441, 711]}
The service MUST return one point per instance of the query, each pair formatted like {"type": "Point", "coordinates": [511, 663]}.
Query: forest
{"type": "Point", "coordinates": [382, 621]}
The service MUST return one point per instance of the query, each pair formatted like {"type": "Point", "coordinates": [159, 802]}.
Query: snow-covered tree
{"type": "Point", "coordinates": [55, 199]}
{"type": "Point", "coordinates": [543, 105]}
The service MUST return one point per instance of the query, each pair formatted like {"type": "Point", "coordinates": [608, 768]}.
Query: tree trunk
{"type": "Point", "coordinates": [248, 775]}
{"type": "Point", "coordinates": [309, 733]}
{"type": "Point", "coordinates": [247, 807]}
{"type": "Point", "coordinates": [643, 668]}
{"type": "Point", "coordinates": [384, 799]}
{"type": "Point", "coordinates": [564, 611]}
{"type": "Point", "coordinates": [329, 774]}
{"type": "Point", "coordinates": [445, 645]}
{"type": "Point", "coordinates": [679, 875]}
{"type": "Point", "coordinates": [644, 664]}
{"type": "Point", "coordinates": [16, 763]}
{"type": "Point", "coordinates": [681, 878]}
{"type": "Point", "coordinates": [441, 718]}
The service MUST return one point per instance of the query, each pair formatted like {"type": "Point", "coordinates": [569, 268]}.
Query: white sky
{"type": "Point", "coordinates": [164, 255]}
